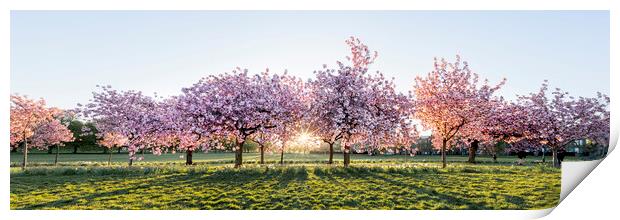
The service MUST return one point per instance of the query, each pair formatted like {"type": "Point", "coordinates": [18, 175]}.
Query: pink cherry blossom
{"type": "Point", "coordinates": [32, 122]}
{"type": "Point", "coordinates": [450, 101]}
{"type": "Point", "coordinates": [353, 107]}
{"type": "Point", "coordinates": [126, 113]}
{"type": "Point", "coordinates": [238, 105]}
{"type": "Point", "coordinates": [561, 119]}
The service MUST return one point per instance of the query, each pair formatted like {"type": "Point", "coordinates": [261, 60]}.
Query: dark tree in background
{"type": "Point", "coordinates": [85, 135]}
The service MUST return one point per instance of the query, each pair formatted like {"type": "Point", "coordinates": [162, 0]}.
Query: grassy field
{"type": "Point", "coordinates": [84, 181]}
{"type": "Point", "coordinates": [289, 187]}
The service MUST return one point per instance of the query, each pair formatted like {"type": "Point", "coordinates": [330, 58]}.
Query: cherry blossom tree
{"type": "Point", "coordinates": [472, 136]}
{"type": "Point", "coordinates": [562, 119]}
{"type": "Point", "coordinates": [391, 124]}
{"type": "Point", "coordinates": [127, 113]}
{"type": "Point", "coordinates": [64, 132]}
{"type": "Point", "coordinates": [159, 128]}
{"type": "Point", "coordinates": [112, 140]}
{"type": "Point", "coordinates": [290, 96]}
{"type": "Point", "coordinates": [185, 126]}
{"type": "Point", "coordinates": [449, 99]}
{"type": "Point", "coordinates": [505, 123]}
{"type": "Point", "coordinates": [337, 109]}
{"type": "Point", "coordinates": [354, 107]}
{"type": "Point", "coordinates": [496, 121]}
{"type": "Point", "coordinates": [284, 134]}
{"type": "Point", "coordinates": [29, 117]}
{"type": "Point", "coordinates": [237, 106]}
{"type": "Point", "coordinates": [595, 111]}
{"type": "Point", "coordinates": [51, 133]}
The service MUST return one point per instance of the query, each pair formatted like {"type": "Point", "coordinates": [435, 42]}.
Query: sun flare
{"type": "Point", "coordinates": [304, 142]}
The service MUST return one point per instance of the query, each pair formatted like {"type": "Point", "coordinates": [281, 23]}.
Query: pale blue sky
{"type": "Point", "coordinates": [62, 55]}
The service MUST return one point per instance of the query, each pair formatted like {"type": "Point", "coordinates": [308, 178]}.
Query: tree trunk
{"type": "Point", "coordinates": [331, 153]}
{"type": "Point", "coordinates": [75, 148]}
{"type": "Point", "coordinates": [110, 157]}
{"type": "Point", "coordinates": [262, 154]}
{"type": "Point", "coordinates": [282, 153]}
{"type": "Point", "coordinates": [25, 162]}
{"type": "Point", "coordinates": [443, 153]}
{"type": "Point", "coordinates": [131, 158]}
{"type": "Point", "coordinates": [239, 154]}
{"type": "Point", "coordinates": [188, 157]}
{"type": "Point", "coordinates": [119, 150]}
{"type": "Point", "coordinates": [543, 155]}
{"type": "Point", "coordinates": [473, 148]}
{"type": "Point", "coordinates": [556, 161]}
{"type": "Point", "coordinates": [57, 152]}
{"type": "Point", "coordinates": [347, 155]}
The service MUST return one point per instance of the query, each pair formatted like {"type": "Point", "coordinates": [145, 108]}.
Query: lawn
{"type": "Point", "coordinates": [412, 185]}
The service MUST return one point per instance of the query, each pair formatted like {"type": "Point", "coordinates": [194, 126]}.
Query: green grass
{"type": "Point", "coordinates": [37, 159]}
{"type": "Point", "coordinates": [406, 185]}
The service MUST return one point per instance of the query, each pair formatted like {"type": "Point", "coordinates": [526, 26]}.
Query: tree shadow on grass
{"type": "Point", "coordinates": [329, 173]}
{"type": "Point", "coordinates": [242, 189]}
{"type": "Point", "coordinates": [431, 192]}
{"type": "Point", "coordinates": [228, 179]}
{"type": "Point", "coordinates": [92, 196]}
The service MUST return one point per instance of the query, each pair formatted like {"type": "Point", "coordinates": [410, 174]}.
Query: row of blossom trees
{"type": "Point", "coordinates": [348, 104]}
{"type": "Point", "coordinates": [456, 107]}
{"type": "Point", "coordinates": [345, 104]}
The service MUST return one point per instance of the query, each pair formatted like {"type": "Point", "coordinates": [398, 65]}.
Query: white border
{"type": "Point", "coordinates": [311, 5]}
{"type": "Point", "coordinates": [291, 5]}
